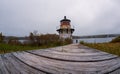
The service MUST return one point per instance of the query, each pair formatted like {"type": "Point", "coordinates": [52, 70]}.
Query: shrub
{"type": "Point", "coordinates": [82, 42]}
{"type": "Point", "coordinates": [14, 41]}
{"type": "Point", "coordinates": [68, 41]}
{"type": "Point", "coordinates": [117, 39]}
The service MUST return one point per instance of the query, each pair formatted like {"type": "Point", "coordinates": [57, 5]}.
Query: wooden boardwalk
{"type": "Point", "coordinates": [70, 59]}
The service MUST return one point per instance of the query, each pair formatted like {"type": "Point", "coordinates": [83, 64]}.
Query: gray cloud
{"type": "Point", "coordinates": [19, 17]}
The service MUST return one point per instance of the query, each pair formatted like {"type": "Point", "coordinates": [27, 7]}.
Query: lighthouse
{"type": "Point", "coordinates": [65, 30]}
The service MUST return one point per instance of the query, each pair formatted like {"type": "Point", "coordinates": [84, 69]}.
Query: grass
{"type": "Point", "coordinates": [7, 48]}
{"type": "Point", "coordinates": [113, 48]}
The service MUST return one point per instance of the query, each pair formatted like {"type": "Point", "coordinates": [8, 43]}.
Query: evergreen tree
{"type": "Point", "coordinates": [1, 37]}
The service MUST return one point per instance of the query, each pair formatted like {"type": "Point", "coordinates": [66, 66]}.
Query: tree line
{"type": "Point", "coordinates": [37, 40]}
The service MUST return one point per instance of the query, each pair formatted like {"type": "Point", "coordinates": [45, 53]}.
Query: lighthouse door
{"type": "Point", "coordinates": [76, 41]}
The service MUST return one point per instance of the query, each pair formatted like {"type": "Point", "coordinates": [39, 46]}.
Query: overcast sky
{"type": "Point", "coordinates": [89, 17]}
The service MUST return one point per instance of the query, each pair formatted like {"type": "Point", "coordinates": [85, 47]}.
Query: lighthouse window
{"type": "Point", "coordinates": [67, 30]}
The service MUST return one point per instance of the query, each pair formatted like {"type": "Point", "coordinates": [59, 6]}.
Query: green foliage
{"type": "Point", "coordinates": [82, 42]}
{"type": "Point", "coordinates": [117, 39]}
{"type": "Point", "coordinates": [67, 41]}
{"type": "Point", "coordinates": [5, 48]}
{"type": "Point", "coordinates": [48, 40]}
{"type": "Point", "coordinates": [113, 48]}
{"type": "Point", "coordinates": [34, 42]}
{"type": "Point", "coordinates": [13, 41]}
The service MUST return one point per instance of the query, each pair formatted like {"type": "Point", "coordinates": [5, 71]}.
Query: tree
{"type": "Point", "coordinates": [1, 37]}
{"type": "Point", "coordinates": [14, 41]}
{"type": "Point", "coordinates": [32, 38]}
{"type": "Point", "coordinates": [47, 40]}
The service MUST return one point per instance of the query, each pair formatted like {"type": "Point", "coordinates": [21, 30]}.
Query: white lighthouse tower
{"type": "Point", "coordinates": [65, 30]}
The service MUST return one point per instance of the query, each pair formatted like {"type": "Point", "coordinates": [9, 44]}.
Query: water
{"type": "Point", "coordinates": [88, 40]}
{"type": "Point", "coordinates": [93, 40]}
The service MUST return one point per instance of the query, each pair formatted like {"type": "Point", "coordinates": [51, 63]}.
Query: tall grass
{"type": "Point", "coordinates": [113, 48]}
{"type": "Point", "coordinates": [6, 48]}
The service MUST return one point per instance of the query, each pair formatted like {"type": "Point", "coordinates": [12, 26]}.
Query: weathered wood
{"type": "Point", "coordinates": [75, 54]}
{"type": "Point", "coordinates": [21, 67]}
{"type": "Point", "coordinates": [73, 60]}
{"type": "Point", "coordinates": [11, 69]}
{"type": "Point", "coordinates": [55, 66]}
{"type": "Point", "coordinates": [33, 61]}
{"type": "Point", "coordinates": [3, 69]}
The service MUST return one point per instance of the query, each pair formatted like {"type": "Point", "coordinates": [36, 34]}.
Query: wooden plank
{"type": "Point", "coordinates": [9, 66]}
{"type": "Point", "coordinates": [71, 57]}
{"type": "Point", "coordinates": [16, 66]}
{"type": "Point", "coordinates": [116, 71]}
{"type": "Point", "coordinates": [71, 53]}
{"type": "Point", "coordinates": [33, 62]}
{"type": "Point", "coordinates": [3, 69]}
{"type": "Point", "coordinates": [21, 67]}
{"type": "Point", "coordinates": [55, 66]}
{"type": "Point", "coordinates": [75, 60]}
{"type": "Point", "coordinates": [112, 69]}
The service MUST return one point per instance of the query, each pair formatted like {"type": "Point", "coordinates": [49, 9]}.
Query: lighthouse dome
{"type": "Point", "coordinates": [65, 19]}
